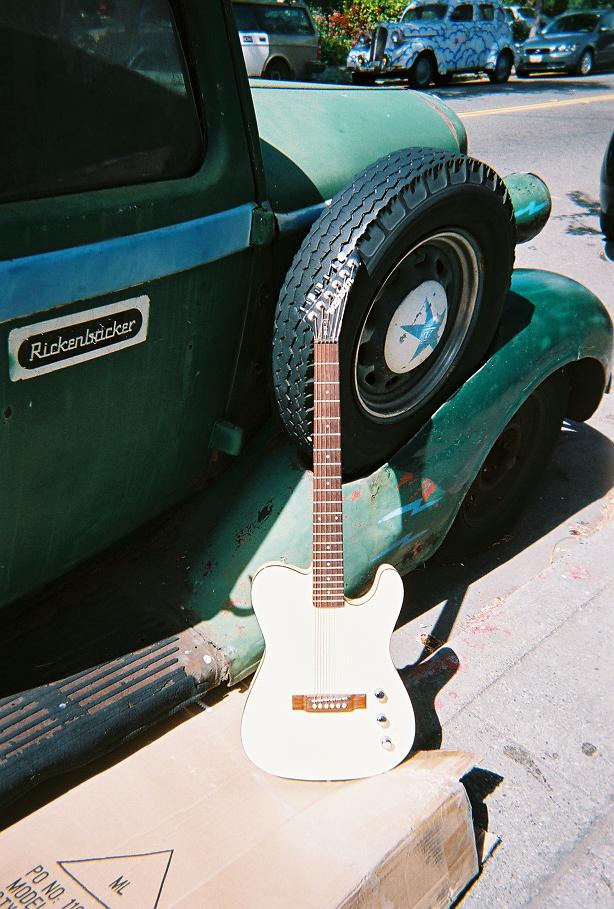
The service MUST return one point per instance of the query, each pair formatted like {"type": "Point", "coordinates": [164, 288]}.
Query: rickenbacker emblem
{"type": "Point", "coordinates": [57, 343]}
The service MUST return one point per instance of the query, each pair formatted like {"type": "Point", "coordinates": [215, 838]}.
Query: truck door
{"type": "Point", "coordinates": [463, 37]}
{"type": "Point", "coordinates": [126, 203]}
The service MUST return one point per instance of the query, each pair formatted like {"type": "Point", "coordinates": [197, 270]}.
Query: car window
{"type": "Point", "coordinates": [462, 13]}
{"type": "Point", "coordinates": [575, 22]}
{"type": "Point", "coordinates": [274, 19]}
{"type": "Point", "coordinates": [245, 17]}
{"type": "Point", "coordinates": [486, 12]}
{"type": "Point", "coordinates": [500, 15]}
{"type": "Point", "coordinates": [93, 94]}
{"type": "Point", "coordinates": [425, 12]}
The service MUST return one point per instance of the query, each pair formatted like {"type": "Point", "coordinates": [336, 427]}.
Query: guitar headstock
{"type": "Point", "coordinates": [325, 305]}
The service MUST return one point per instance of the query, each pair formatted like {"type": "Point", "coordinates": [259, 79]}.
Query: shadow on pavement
{"type": "Point", "coordinates": [580, 472]}
{"type": "Point", "coordinates": [424, 681]}
{"type": "Point", "coordinates": [559, 85]}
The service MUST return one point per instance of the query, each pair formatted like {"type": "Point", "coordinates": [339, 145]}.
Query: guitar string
{"type": "Point", "coordinates": [328, 523]}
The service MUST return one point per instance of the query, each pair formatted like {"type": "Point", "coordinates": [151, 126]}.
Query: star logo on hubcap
{"type": "Point", "coordinates": [427, 332]}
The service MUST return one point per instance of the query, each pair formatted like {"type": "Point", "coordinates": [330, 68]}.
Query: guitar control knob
{"type": "Point", "coordinates": [380, 695]}
{"type": "Point", "coordinates": [382, 720]}
{"type": "Point", "coordinates": [387, 743]}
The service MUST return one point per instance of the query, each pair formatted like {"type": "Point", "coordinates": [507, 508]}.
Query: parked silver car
{"type": "Point", "coordinates": [279, 40]}
{"type": "Point", "coordinates": [575, 42]}
{"type": "Point", "coordinates": [434, 40]}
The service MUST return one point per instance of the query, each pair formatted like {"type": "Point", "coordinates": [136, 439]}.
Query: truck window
{"type": "Point", "coordinates": [487, 12]}
{"type": "Point", "coordinates": [462, 13]}
{"type": "Point", "coordinates": [94, 94]}
{"type": "Point", "coordinates": [245, 17]}
{"type": "Point", "coordinates": [425, 12]}
{"type": "Point", "coordinates": [274, 19]}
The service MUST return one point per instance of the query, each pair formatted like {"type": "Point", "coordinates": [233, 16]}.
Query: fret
{"type": "Point", "coordinates": [328, 576]}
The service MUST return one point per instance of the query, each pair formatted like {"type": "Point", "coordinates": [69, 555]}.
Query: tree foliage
{"type": "Point", "coordinates": [341, 21]}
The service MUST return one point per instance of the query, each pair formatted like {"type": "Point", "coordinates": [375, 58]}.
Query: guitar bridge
{"type": "Point", "coordinates": [329, 703]}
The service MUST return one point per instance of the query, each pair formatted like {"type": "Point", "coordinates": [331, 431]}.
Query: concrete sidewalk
{"type": "Point", "coordinates": [527, 686]}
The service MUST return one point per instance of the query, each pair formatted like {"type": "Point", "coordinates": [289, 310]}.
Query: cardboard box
{"type": "Point", "coordinates": [186, 821]}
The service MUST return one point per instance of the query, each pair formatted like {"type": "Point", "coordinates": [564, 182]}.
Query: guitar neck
{"type": "Point", "coordinates": [328, 584]}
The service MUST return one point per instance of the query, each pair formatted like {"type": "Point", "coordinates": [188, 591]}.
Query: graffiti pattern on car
{"type": "Point", "coordinates": [470, 43]}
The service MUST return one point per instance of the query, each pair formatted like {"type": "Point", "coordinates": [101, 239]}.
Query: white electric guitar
{"type": "Point", "coordinates": [326, 702]}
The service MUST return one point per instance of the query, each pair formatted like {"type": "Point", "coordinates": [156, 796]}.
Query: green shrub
{"type": "Point", "coordinates": [520, 30]}
{"type": "Point", "coordinates": [340, 27]}
{"type": "Point", "coordinates": [335, 39]}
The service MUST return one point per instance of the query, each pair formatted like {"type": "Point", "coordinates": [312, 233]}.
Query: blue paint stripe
{"type": "Point", "coordinates": [414, 507]}
{"type": "Point", "coordinates": [300, 219]}
{"type": "Point", "coordinates": [35, 284]}
{"type": "Point", "coordinates": [398, 544]}
{"type": "Point", "coordinates": [533, 208]}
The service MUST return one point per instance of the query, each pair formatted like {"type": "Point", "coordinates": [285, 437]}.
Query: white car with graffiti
{"type": "Point", "coordinates": [432, 41]}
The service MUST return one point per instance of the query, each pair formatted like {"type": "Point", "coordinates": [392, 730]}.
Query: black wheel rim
{"type": "Point", "coordinates": [423, 71]}
{"type": "Point", "coordinates": [502, 67]}
{"type": "Point", "coordinates": [417, 325]}
{"type": "Point", "coordinates": [506, 466]}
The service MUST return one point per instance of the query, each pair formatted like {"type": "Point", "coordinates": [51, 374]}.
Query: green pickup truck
{"type": "Point", "coordinates": [162, 221]}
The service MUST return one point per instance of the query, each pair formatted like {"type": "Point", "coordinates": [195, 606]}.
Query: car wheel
{"type": "Point", "coordinates": [584, 66]}
{"type": "Point", "coordinates": [363, 79]}
{"type": "Point", "coordinates": [422, 72]}
{"type": "Point", "coordinates": [503, 68]}
{"type": "Point", "coordinates": [607, 225]}
{"type": "Point", "coordinates": [443, 78]}
{"type": "Point", "coordinates": [509, 473]}
{"type": "Point", "coordinates": [435, 234]}
{"type": "Point", "coordinates": [278, 70]}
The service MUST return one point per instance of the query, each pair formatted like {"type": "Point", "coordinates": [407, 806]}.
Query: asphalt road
{"type": "Point", "coordinates": [528, 676]}
{"type": "Point", "coordinates": [557, 127]}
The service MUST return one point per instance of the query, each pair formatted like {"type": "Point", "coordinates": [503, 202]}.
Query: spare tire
{"type": "Point", "coordinates": [435, 234]}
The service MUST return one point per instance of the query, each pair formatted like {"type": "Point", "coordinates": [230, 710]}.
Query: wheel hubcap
{"type": "Point", "coordinates": [416, 328]}
{"type": "Point", "coordinates": [585, 64]}
{"type": "Point", "coordinates": [417, 325]}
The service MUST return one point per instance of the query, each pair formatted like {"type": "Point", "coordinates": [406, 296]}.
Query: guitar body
{"type": "Point", "coordinates": [312, 712]}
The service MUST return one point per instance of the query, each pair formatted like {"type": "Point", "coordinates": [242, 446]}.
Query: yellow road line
{"type": "Point", "coordinates": [540, 105]}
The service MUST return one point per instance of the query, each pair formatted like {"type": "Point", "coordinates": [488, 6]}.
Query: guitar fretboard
{"type": "Point", "coordinates": [327, 502]}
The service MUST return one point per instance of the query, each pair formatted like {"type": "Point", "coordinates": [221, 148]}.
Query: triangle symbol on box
{"type": "Point", "coordinates": [128, 881]}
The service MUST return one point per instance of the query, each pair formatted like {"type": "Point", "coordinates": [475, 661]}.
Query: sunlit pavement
{"type": "Point", "coordinates": [524, 677]}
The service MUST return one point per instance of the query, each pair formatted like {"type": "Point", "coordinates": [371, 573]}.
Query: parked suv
{"type": "Point", "coordinates": [434, 40]}
{"type": "Point", "coordinates": [279, 40]}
